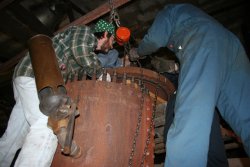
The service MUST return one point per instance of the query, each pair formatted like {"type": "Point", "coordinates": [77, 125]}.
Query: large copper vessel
{"type": "Point", "coordinates": [115, 127]}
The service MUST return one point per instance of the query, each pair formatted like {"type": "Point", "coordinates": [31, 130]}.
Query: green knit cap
{"type": "Point", "coordinates": [102, 26]}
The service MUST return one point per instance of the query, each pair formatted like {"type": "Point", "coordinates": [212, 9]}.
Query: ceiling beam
{"type": "Point", "coordinates": [18, 30]}
{"type": "Point", "coordinates": [31, 21]}
{"type": "Point", "coordinates": [5, 3]}
{"type": "Point", "coordinates": [94, 14]}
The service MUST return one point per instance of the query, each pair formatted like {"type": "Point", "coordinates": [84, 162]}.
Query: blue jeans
{"type": "Point", "coordinates": [110, 59]}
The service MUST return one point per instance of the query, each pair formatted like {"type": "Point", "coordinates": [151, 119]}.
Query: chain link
{"type": "Point", "coordinates": [114, 16]}
{"type": "Point", "coordinates": [136, 133]}
{"type": "Point", "coordinates": [150, 128]}
{"type": "Point", "coordinates": [139, 124]}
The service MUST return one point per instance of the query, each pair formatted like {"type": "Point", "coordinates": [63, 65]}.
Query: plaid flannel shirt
{"type": "Point", "coordinates": [74, 50]}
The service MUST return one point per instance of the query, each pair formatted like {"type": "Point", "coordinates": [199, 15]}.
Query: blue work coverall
{"type": "Point", "coordinates": [214, 72]}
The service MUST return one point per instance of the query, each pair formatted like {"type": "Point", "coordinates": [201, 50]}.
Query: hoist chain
{"type": "Point", "coordinates": [136, 133]}
{"type": "Point", "coordinates": [114, 16]}
{"type": "Point", "coordinates": [127, 48]}
{"type": "Point", "coordinates": [150, 128]}
{"type": "Point", "coordinates": [139, 124]}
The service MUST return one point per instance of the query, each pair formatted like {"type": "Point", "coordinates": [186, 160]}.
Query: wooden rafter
{"type": "Point", "coordinates": [94, 14]}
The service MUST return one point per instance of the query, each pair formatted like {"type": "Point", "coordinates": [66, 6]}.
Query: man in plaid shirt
{"type": "Point", "coordinates": [27, 126]}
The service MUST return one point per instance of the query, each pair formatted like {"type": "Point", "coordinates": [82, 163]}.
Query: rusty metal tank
{"type": "Point", "coordinates": [116, 122]}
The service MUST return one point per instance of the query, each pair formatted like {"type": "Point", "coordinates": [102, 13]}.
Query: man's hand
{"type": "Point", "coordinates": [133, 55]}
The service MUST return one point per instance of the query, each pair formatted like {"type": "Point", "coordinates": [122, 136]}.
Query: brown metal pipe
{"type": "Point", "coordinates": [44, 62]}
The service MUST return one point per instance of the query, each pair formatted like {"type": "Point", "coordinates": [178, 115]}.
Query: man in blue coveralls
{"type": "Point", "coordinates": [214, 72]}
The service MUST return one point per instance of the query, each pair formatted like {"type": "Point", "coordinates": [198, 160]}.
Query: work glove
{"type": "Point", "coordinates": [133, 55]}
